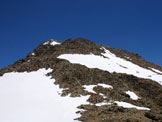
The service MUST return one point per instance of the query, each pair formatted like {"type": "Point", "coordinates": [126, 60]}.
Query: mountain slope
{"type": "Point", "coordinates": [105, 83]}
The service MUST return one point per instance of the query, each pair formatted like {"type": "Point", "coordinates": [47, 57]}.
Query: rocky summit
{"type": "Point", "coordinates": [79, 80]}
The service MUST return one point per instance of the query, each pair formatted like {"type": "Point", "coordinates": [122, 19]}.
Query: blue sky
{"type": "Point", "coordinates": [133, 25]}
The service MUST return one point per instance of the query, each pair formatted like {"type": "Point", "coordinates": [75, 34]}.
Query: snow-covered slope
{"type": "Point", "coordinates": [85, 91]}
{"type": "Point", "coordinates": [33, 97]}
{"type": "Point", "coordinates": [110, 62]}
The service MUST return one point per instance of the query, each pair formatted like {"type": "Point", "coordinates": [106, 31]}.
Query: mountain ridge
{"type": "Point", "coordinates": [74, 77]}
{"type": "Point", "coordinates": [118, 52]}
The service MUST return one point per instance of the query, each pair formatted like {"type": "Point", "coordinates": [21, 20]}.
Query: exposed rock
{"type": "Point", "coordinates": [73, 76]}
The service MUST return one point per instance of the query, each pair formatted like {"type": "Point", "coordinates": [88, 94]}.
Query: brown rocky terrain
{"type": "Point", "coordinates": [74, 76]}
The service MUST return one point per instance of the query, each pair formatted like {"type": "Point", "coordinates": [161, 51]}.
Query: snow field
{"type": "Point", "coordinates": [112, 63]}
{"type": "Point", "coordinates": [33, 97]}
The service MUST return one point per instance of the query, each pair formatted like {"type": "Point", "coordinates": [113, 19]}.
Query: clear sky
{"type": "Point", "coordinates": [134, 25]}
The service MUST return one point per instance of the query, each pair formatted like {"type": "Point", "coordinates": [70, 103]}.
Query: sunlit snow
{"type": "Point", "coordinates": [103, 103]}
{"type": "Point", "coordinates": [110, 62]}
{"type": "Point", "coordinates": [128, 105]}
{"type": "Point", "coordinates": [33, 54]}
{"type": "Point", "coordinates": [89, 88]}
{"type": "Point", "coordinates": [105, 85]}
{"type": "Point", "coordinates": [53, 43]}
{"type": "Point", "coordinates": [156, 70]}
{"type": "Point", "coordinates": [33, 97]}
{"type": "Point", "coordinates": [132, 95]}
{"type": "Point", "coordinates": [122, 104]}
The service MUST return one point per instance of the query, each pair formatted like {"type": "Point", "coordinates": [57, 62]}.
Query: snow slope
{"type": "Point", "coordinates": [32, 97]}
{"type": "Point", "coordinates": [112, 63]}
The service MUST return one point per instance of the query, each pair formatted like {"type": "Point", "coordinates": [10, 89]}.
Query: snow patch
{"type": "Point", "coordinates": [33, 97]}
{"type": "Point", "coordinates": [89, 88]}
{"type": "Point", "coordinates": [157, 71]}
{"type": "Point", "coordinates": [103, 95]}
{"type": "Point", "coordinates": [45, 43]}
{"type": "Point", "coordinates": [122, 104]}
{"type": "Point", "coordinates": [105, 85]}
{"type": "Point", "coordinates": [128, 105]}
{"type": "Point", "coordinates": [53, 43]}
{"type": "Point", "coordinates": [110, 64]}
{"type": "Point", "coordinates": [132, 95]}
{"type": "Point", "coordinates": [103, 103]}
{"type": "Point", "coordinates": [127, 57]}
{"type": "Point", "coordinates": [33, 54]}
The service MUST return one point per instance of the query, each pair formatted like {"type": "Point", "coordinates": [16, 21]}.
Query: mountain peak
{"type": "Point", "coordinates": [78, 41]}
{"type": "Point", "coordinates": [52, 42]}
{"type": "Point", "coordinates": [106, 84]}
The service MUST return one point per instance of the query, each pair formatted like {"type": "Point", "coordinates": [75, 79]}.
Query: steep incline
{"type": "Point", "coordinates": [105, 83]}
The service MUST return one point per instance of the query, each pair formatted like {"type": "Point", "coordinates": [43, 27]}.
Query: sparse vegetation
{"type": "Point", "coordinates": [74, 76]}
